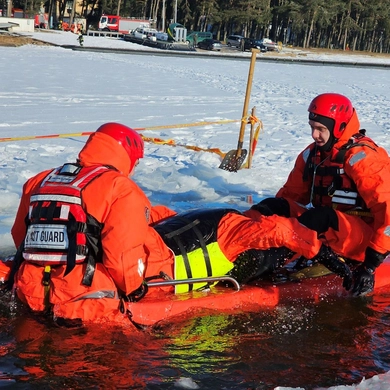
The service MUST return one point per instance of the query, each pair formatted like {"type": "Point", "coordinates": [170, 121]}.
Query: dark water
{"type": "Point", "coordinates": [322, 345]}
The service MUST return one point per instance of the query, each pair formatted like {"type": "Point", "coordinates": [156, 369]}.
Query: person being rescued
{"type": "Point", "coordinates": [87, 237]}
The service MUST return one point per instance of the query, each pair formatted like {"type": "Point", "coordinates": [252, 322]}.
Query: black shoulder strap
{"type": "Point", "coordinates": [175, 235]}
{"type": "Point", "coordinates": [17, 262]}
{"type": "Point", "coordinates": [308, 164]}
{"type": "Point", "coordinates": [340, 156]}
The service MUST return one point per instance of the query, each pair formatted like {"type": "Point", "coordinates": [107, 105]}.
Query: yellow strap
{"type": "Point", "coordinates": [359, 213]}
{"type": "Point", "coordinates": [46, 284]}
{"type": "Point", "coordinates": [172, 142]}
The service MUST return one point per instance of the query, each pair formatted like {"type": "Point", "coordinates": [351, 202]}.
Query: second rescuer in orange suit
{"type": "Point", "coordinates": [128, 249]}
{"type": "Point", "coordinates": [339, 187]}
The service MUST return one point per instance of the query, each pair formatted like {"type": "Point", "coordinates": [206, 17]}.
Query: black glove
{"type": "Point", "coordinates": [364, 278]}
{"type": "Point", "coordinates": [336, 264]}
{"type": "Point", "coordinates": [271, 206]}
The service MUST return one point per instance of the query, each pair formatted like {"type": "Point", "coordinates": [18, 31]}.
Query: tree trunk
{"type": "Point", "coordinates": [345, 38]}
{"type": "Point", "coordinates": [307, 37]}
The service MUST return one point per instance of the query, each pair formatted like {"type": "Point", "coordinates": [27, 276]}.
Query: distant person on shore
{"type": "Point", "coordinates": [339, 187]}
{"type": "Point", "coordinates": [242, 44]}
{"type": "Point", "coordinates": [195, 40]}
{"type": "Point", "coordinates": [80, 38]}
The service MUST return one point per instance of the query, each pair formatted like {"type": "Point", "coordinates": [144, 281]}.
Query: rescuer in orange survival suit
{"type": "Point", "coordinates": [77, 242]}
{"type": "Point", "coordinates": [339, 187]}
{"type": "Point", "coordinates": [88, 237]}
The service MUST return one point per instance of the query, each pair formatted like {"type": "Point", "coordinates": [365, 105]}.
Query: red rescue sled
{"type": "Point", "coordinates": [157, 305]}
{"type": "Point", "coordinates": [311, 285]}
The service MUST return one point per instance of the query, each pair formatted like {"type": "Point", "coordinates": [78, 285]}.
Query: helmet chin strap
{"type": "Point", "coordinates": [329, 144]}
{"type": "Point", "coordinates": [332, 140]}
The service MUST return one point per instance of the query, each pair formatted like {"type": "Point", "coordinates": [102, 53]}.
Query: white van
{"type": "Point", "coordinates": [145, 32]}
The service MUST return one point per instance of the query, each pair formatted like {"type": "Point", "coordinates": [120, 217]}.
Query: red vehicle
{"type": "Point", "coordinates": [17, 13]}
{"type": "Point", "coordinates": [119, 24]}
{"type": "Point", "coordinates": [41, 21]}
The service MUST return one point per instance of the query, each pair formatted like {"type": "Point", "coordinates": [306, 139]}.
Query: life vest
{"type": "Point", "coordinates": [59, 231]}
{"type": "Point", "coordinates": [332, 187]}
{"type": "Point", "coordinates": [192, 236]}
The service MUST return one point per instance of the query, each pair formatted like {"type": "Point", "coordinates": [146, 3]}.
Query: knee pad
{"type": "Point", "coordinates": [320, 219]}
{"type": "Point", "coordinates": [254, 264]}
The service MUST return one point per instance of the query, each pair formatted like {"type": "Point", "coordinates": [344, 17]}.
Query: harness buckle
{"type": "Point", "coordinates": [46, 276]}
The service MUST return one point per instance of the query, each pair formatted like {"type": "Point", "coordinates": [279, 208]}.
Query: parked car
{"type": "Point", "coordinates": [200, 36]}
{"type": "Point", "coordinates": [250, 43]}
{"type": "Point", "coordinates": [269, 44]}
{"type": "Point", "coordinates": [145, 32]}
{"type": "Point", "coordinates": [210, 44]}
{"type": "Point", "coordinates": [234, 40]}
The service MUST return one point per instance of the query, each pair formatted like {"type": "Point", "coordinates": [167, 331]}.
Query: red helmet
{"type": "Point", "coordinates": [131, 141]}
{"type": "Point", "coordinates": [334, 106]}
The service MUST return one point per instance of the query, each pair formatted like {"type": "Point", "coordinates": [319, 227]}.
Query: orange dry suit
{"type": "Point", "coordinates": [352, 179]}
{"type": "Point", "coordinates": [58, 278]}
{"type": "Point", "coordinates": [206, 242]}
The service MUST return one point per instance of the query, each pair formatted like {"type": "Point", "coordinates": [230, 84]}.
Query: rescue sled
{"type": "Point", "coordinates": [310, 284]}
{"type": "Point", "coordinates": [313, 284]}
